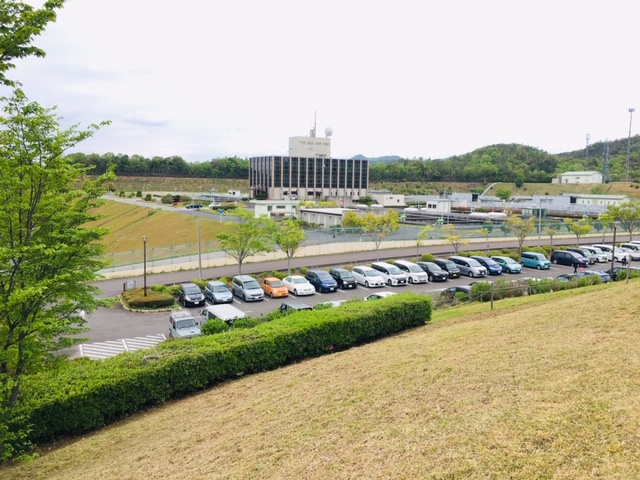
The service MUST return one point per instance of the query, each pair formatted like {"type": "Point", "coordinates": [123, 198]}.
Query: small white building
{"type": "Point", "coordinates": [600, 200]}
{"type": "Point", "coordinates": [579, 177]}
{"type": "Point", "coordinates": [275, 209]}
{"type": "Point", "coordinates": [327, 217]}
{"type": "Point", "coordinates": [387, 199]}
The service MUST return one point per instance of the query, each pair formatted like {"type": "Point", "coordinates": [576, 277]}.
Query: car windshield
{"type": "Point", "coordinates": [277, 284]}
{"type": "Point", "coordinates": [415, 269]}
{"type": "Point", "coordinates": [220, 288]}
{"type": "Point", "coordinates": [324, 276]}
{"type": "Point", "coordinates": [251, 285]}
{"type": "Point", "coordinates": [473, 263]}
{"type": "Point", "coordinates": [192, 290]}
{"type": "Point", "coordinates": [509, 260]}
{"type": "Point", "coordinates": [394, 271]}
{"type": "Point", "coordinates": [490, 261]}
{"type": "Point", "coordinates": [299, 280]}
{"type": "Point", "coordinates": [190, 322]}
{"type": "Point", "coordinates": [434, 267]}
{"type": "Point", "coordinates": [371, 273]}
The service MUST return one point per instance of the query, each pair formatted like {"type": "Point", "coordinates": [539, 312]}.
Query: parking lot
{"type": "Point", "coordinates": [114, 330]}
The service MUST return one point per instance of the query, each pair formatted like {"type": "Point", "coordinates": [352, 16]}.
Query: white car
{"type": "Point", "coordinates": [298, 285]}
{"type": "Point", "coordinates": [634, 254]}
{"type": "Point", "coordinates": [600, 255]}
{"type": "Point", "coordinates": [367, 276]}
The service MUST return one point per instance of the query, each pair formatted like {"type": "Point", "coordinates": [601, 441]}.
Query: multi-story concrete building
{"type": "Point", "coordinates": [309, 173]}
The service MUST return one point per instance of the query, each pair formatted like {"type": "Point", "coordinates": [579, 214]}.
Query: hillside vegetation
{"type": "Point", "coordinates": [538, 388]}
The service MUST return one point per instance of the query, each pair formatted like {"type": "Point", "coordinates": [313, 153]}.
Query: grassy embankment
{"type": "Point", "coordinates": [541, 387]}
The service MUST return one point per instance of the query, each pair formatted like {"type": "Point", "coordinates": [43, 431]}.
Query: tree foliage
{"type": "Point", "coordinates": [289, 236]}
{"type": "Point", "coordinates": [455, 240]}
{"type": "Point", "coordinates": [47, 255]}
{"type": "Point", "coordinates": [578, 227]}
{"type": "Point", "coordinates": [521, 228]}
{"type": "Point", "coordinates": [19, 24]}
{"type": "Point", "coordinates": [627, 214]}
{"type": "Point", "coordinates": [250, 236]}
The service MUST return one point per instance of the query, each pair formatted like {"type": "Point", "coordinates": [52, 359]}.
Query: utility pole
{"type": "Point", "coordinates": [631, 110]}
{"type": "Point", "coordinates": [586, 152]}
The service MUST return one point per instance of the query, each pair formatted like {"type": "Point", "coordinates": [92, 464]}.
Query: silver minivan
{"type": "Point", "coordinates": [414, 272]}
{"type": "Point", "coordinates": [469, 266]}
{"type": "Point", "coordinates": [247, 288]}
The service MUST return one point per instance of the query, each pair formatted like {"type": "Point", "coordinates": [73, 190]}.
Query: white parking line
{"type": "Point", "coordinates": [102, 350]}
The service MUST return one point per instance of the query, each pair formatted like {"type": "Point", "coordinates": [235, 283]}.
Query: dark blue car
{"type": "Point", "coordinates": [322, 281]}
{"type": "Point", "coordinates": [492, 266]}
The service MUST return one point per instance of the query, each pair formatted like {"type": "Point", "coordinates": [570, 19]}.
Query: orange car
{"type": "Point", "coordinates": [274, 287]}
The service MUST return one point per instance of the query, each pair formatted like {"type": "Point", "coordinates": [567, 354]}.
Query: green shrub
{"type": "Point", "coordinates": [135, 298]}
{"type": "Point", "coordinates": [174, 290]}
{"type": "Point", "coordinates": [148, 197]}
{"type": "Point", "coordinates": [82, 396]}
{"type": "Point", "coordinates": [279, 275]}
{"type": "Point", "coordinates": [481, 291]}
{"type": "Point", "coordinates": [246, 322]}
{"type": "Point", "coordinates": [304, 270]}
{"type": "Point", "coordinates": [200, 283]}
{"type": "Point", "coordinates": [426, 257]}
{"type": "Point", "coordinates": [213, 326]}
{"type": "Point", "coordinates": [159, 288]}
{"type": "Point", "coordinates": [139, 194]}
{"type": "Point", "coordinates": [121, 194]}
{"type": "Point", "coordinates": [167, 199]}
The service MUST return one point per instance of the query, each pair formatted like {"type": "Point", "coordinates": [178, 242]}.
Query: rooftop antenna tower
{"type": "Point", "coordinates": [313, 130]}
{"type": "Point", "coordinates": [586, 152]}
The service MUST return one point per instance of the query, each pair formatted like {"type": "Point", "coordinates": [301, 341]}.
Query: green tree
{"type": "Point", "coordinates": [289, 237]}
{"type": "Point", "coordinates": [378, 227]}
{"type": "Point", "coordinates": [521, 228]}
{"type": "Point", "coordinates": [578, 228]}
{"type": "Point", "coordinates": [503, 194]}
{"type": "Point", "coordinates": [485, 232]}
{"type": "Point", "coordinates": [456, 241]}
{"type": "Point", "coordinates": [19, 24]}
{"type": "Point", "coordinates": [250, 236]}
{"type": "Point", "coordinates": [351, 219]}
{"type": "Point", "coordinates": [424, 233]}
{"type": "Point", "coordinates": [550, 231]}
{"type": "Point", "coordinates": [627, 214]}
{"type": "Point", "coordinates": [366, 200]}
{"type": "Point", "coordinates": [47, 254]}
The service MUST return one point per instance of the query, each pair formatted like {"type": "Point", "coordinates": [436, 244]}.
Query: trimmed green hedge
{"type": "Point", "coordinates": [85, 395]}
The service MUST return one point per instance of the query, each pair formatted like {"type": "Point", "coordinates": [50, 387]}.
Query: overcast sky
{"type": "Point", "coordinates": [207, 79]}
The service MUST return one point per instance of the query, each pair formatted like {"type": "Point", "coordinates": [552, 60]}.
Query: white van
{"type": "Point", "coordinates": [414, 272]}
{"type": "Point", "coordinates": [391, 274]}
{"type": "Point", "coordinates": [608, 251]}
{"type": "Point", "coordinates": [226, 313]}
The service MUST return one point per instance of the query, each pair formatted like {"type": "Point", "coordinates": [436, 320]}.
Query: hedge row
{"type": "Point", "coordinates": [85, 395]}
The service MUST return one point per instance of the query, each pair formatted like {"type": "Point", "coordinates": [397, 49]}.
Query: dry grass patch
{"type": "Point", "coordinates": [546, 390]}
{"type": "Point", "coordinates": [127, 225]}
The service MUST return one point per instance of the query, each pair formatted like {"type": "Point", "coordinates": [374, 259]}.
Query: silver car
{"type": "Point", "coordinates": [367, 276]}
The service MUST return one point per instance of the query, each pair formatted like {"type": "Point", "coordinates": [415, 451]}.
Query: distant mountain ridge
{"type": "Point", "coordinates": [385, 159]}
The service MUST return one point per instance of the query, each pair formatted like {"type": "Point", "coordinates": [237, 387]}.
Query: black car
{"type": "Point", "coordinates": [448, 266]}
{"type": "Point", "coordinates": [451, 291]}
{"type": "Point", "coordinates": [434, 272]}
{"type": "Point", "coordinates": [343, 277]}
{"type": "Point", "coordinates": [196, 206]}
{"type": "Point", "coordinates": [190, 294]}
{"type": "Point", "coordinates": [565, 257]}
{"type": "Point", "coordinates": [321, 281]}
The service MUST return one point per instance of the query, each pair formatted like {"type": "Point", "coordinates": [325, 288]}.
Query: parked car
{"type": "Point", "coordinates": [534, 260]}
{"type": "Point", "coordinates": [344, 278]}
{"type": "Point", "coordinates": [392, 275]}
{"type": "Point", "coordinates": [566, 277]}
{"type": "Point", "coordinates": [606, 278]}
{"type": "Point", "coordinates": [218, 292]}
{"type": "Point", "coordinates": [274, 287]}
{"type": "Point", "coordinates": [601, 257]}
{"type": "Point", "coordinates": [298, 285]}
{"type": "Point", "coordinates": [565, 257]}
{"type": "Point", "coordinates": [608, 250]}
{"type": "Point", "coordinates": [414, 273]}
{"type": "Point", "coordinates": [183, 325]}
{"type": "Point", "coordinates": [450, 292]}
{"type": "Point", "coordinates": [247, 288]}
{"type": "Point", "coordinates": [226, 313]}
{"type": "Point", "coordinates": [321, 281]}
{"type": "Point", "coordinates": [633, 254]}
{"type": "Point", "coordinates": [378, 295]}
{"type": "Point", "coordinates": [468, 266]}
{"type": "Point", "coordinates": [194, 206]}
{"type": "Point", "coordinates": [367, 276]}
{"type": "Point", "coordinates": [508, 264]}
{"type": "Point", "coordinates": [215, 205]}
{"type": "Point", "coordinates": [294, 306]}
{"type": "Point", "coordinates": [493, 268]}
{"type": "Point", "coordinates": [448, 266]}
{"type": "Point", "coordinates": [434, 272]}
{"type": "Point", "coordinates": [190, 294]}
{"type": "Point", "coordinates": [585, 253]}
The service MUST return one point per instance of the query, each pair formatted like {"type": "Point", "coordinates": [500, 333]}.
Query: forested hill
{"type": "Point", "coordinates": [495, 163]}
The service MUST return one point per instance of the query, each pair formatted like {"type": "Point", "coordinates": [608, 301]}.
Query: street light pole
{"type": "Point", "coordinates": [144, 256]}
{"type": "Point", "coordinates": [539, 223]}
{"type": "Point", "coordinates": [631, 110]}
{"type": "Point", "coordinates": [613, 251]}
{"type": "Point", "coordinates": [199, 252]}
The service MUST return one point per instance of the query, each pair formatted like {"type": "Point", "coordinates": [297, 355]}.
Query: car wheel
{"type": "Point", "coordinates": [389, 282]}
{"type": "Point", "coordinates": [366, 284]}
{"type": "Point", "coordinates": [295, 292]}
{"type": "Point", "coordinates": [431, 278]}
{"type": "Point", "coordinates": [271, 294]}
{"type": "Point", "coordinates": [410, 280]}
{"type": "Point", "coordinates": [244, 297]}
{"type": "Point", "coordinates": [539, 267]}
{"type": "Point", "coordinates": [470, 274]}
{"type": "Point", "coordinates": [555, 261]}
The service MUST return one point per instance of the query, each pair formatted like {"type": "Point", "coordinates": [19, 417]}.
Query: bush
{"type": "Point", "coordinates": [481, 291]}
{"type": "Point", "coordinates": [246, 322]}
{"type": "Point", "coordinates": [213, 326]}
{"type": "Point", "coordinates": [279, 275]}
{"type": "Point", "coordinates": [82, 396]}
{"type": "Point", "coordinates": [167, 199]}
{"type": "Point", "coordinates": [135, 298]}
{"type": "Point", "coordinates": [139, 194]}
{"type": "Point", "coordinates": [148, 198]}
{"type": "Point", "coordinates": [304, 270]}
{"type": "Point", "coordinates": [121, 194]}
{"type": "Point", "coordinates": [174, 290]}
{"type": "Point", "coordinates": [426, 257]}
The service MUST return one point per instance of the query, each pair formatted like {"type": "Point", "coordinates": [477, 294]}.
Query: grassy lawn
{"type": "Point", "coordinates": [540, 387]}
